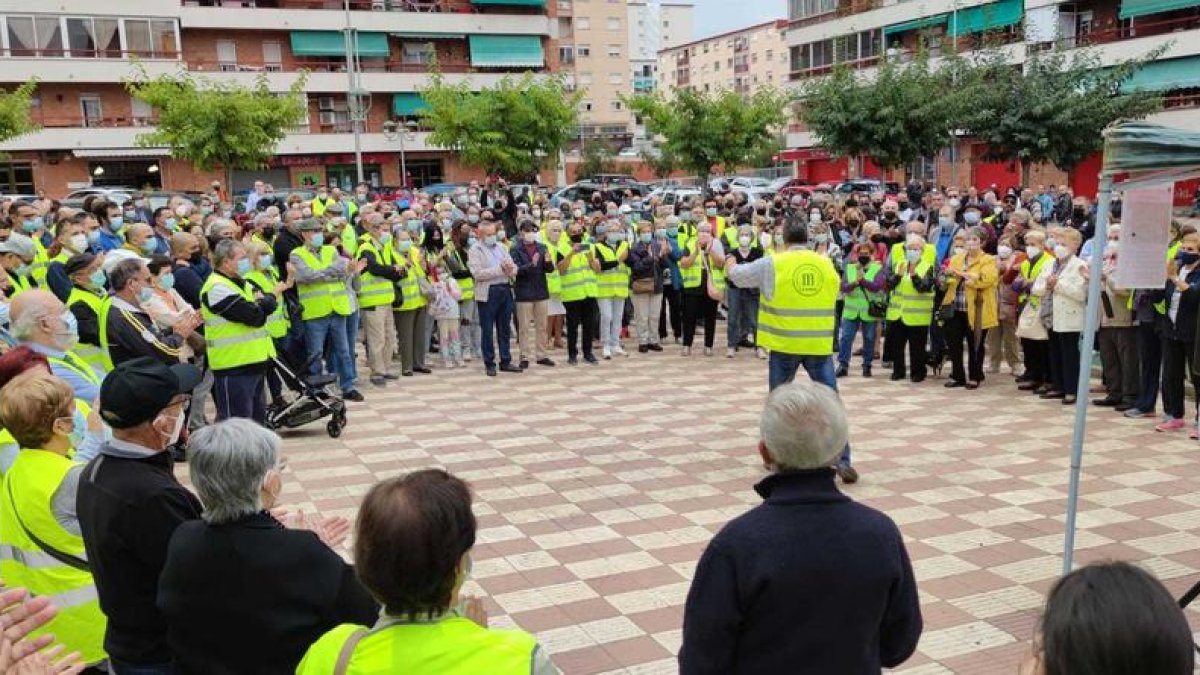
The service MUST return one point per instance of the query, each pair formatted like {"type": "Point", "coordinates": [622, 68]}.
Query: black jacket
{"type": "Point", "coordinates": [128, 509]}
{"type": "Point", "coordinates": [531, 284]}
{"type": "Point", "coordinates": [646, 262]}
{"type": "Point", "coordinates": [188, 283]}
{"type": "Point", "coordinates": [237, 309]}
{"type": "Point", "coordinates": [132, 334]}
{"type": "Point", "coordinates": [251, 596]}
{"type": "Point", "coordinates": [806, 582]}
{"type": "Point", "coordinates": [1184, 326]}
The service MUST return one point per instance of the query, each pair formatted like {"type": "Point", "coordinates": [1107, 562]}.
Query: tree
{"type": "Point", "coordinates": [512, 129]}
{"type": "Point", "coordinates": [15, 109]}
{"type": "Point", "coordinates": [218, 123]}
{"type": "Point", "coordinates": [661, 162]}
{"type": "Point", "coordinates": [903, 112]}
{"type": "Point", "coordinates": [595, 158]}
{"type": "Point", "coordinates": [1056, 109]}
{"type": "Point", "coordinates": [705, 130]}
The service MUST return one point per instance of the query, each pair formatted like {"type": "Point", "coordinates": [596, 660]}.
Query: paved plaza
{"type": "Point", "coordinates": [599, 487]}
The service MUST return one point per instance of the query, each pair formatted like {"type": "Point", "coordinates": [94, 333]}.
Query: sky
{"type": "Point", "coordinates": [720, 16]}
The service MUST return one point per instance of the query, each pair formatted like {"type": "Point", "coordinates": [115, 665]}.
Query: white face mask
{"type": "Point", "coordinates": [78, 243]}
{"type": "Point", "coordinates": [764, 239]}
{"type": "Point", "coordinates": [1061, 252]}
{"type": "Point", "coordinates": [1033, 251]}
{"type": "Point", "coordinates": [960, 250]}
{"type": "Point", "coordinates": [1004, 251]}
{"type": "Point", "coordinates": [176, 430]}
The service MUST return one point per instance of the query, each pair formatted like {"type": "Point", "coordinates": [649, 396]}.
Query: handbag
{"type": "Point", "coordinates": [643, 286]}
{"type": "Point", "coordinates": [876, 309]}
{"type": "Point", "coordinates": [717, 294]}
{"type": "Point", "coordinates": [945, 313]}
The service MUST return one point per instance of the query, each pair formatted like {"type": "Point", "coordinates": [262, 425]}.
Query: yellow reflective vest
{"type": "Point", "coordinates": [579, 281]}
{"type": "Point", "coordinates": [375, 291]}
{"type": "Point", "coordinates": [231, 344]}
{"type": "Point", "coordinates": [410, 284]}
{"type": "Point", "coordinates": [916, 308]}
{"type": "Point", "coordinates": [95, 355]}
{"type": "Point", "coordinates": [799, 317]}
{"type": "Point", "coordinates": [278, 322]}
{"type": "Point", "coordinates": [612, 283]}
{"type": "Point", "coordinates": [319, 299]}
{"type": "Point", "coordinates": [858, 301]}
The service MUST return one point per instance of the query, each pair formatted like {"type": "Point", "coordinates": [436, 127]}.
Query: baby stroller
{"type": "Point", "coordinates": [306, 398]}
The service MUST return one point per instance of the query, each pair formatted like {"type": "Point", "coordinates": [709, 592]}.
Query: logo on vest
{"type": "Point", "coordinates": [806, 280]}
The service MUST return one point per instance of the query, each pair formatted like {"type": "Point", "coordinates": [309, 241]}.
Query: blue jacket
{"type": "Point", "coordinates": [673, 262]}
{"type": "Point", "coordinates": [109, 241]}
{"type": "Point", "coordinates": [530, 285]}
{"type": "Point", "coordinates": [807, 582]}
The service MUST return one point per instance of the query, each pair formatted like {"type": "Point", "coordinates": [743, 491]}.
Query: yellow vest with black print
{"type": "Point", "coordinates": [95, 355]}
{"type": "Point", "coordinates": [231, 344]}
{"type": "Point", "coordinates": [799, 317]}
{"type": "Point", "coordinates": [319, 299]}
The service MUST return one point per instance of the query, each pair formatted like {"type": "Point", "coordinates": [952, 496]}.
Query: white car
{"type": "Point", "coordinates": [749, 182]}
{"type": "Point", "coordinates": [115, 195]}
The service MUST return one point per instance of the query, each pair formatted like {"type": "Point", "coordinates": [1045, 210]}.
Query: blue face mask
{"type": "Point", "coordinates": [471, 241]}
{"type": "Point", "coordinates": [385, 237]}
{"type": "Point", "coordinates": [404, 246]}
{"type": "Point", "coordinates": [243, 267]}
{"type": "Point", "coordinates": [98, 278]}
{"type": "Point", "coordinates": [167, 281]}
{"type": "Point", "coordinates": [318, 240]}
{"type": "Point", "coordinates": [264, 261]}
{"type": "Point", "coordinates": [149, 246]}
{"type": "Point", "coordinates": [32, 224]}
{"type": "Point", "coordinates": [145, 294]}
{"type": "Point", "coordinates": [172, 224]}
{"type": "Point", "coordinates": [944, 221]}
{"type": "Point", "coordinates": [646, 237]}
{"type": "Point", "coordinates": [78, 429]}
{"type": "Point", "coordinates": [414, 226]}
{"type": "Point", "coordinates": [489, 241]}
{"type": "Point", "coordinates": [93, 237]}
{"type": "Point", "coordinates": [971, 217]}
{"type": "Point", "coordinates": [116, 222]}
{"type": "Point", "coordinates": [615, 237]}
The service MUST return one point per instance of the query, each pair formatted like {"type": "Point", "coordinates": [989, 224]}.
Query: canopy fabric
{"type": "Point", "coordinates": [1165, 75]}
{"type": "Point", "coordinates": [523, 3]}
{"type": "Point", "coordinates": [408, 104]}
{"type": "Point", "coordinates": [987, 17]}
{"type": "Point", "coordinates": [1141, 146]}
{"type": "Point", "coordinates": [915, 24]}
{"type": "Point", "coordinates": [333, 43]}
{"type": "Point", "coordinates": [1132, 8]}
{"type": "Point", "coordinates": [507, 51]}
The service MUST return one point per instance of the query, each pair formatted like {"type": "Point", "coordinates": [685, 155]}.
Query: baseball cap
{"type": "Point", "coordinates": [20, 245]}
{"type": "Point", "coordinates": [309, 225]}
{"type": "Point", "coordinates": [137, 390]}
{"type": "Point", "coordinates": [78, 262]}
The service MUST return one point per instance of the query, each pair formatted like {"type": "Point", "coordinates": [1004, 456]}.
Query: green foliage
{"type": "Point", "coordinates": [661, 162]}
{"type": "Point", "coordinates": [704, 130]}
{"type": "Point", "coordinates": [15, 108]}
{"type": "Point", "coordinates": [512, 129]}
{"type": "Point", "coordinates": [596, 158]}
{"type": "Point", "coordinates": [1056, 109]}
{"type": "Point", "coordinates": [905, 112]}
{"type": "Point", "coordinates": [218, 123]}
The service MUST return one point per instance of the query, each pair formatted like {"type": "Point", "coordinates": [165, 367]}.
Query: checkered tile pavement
{"type": "Point", "coordinates": [599, 487]}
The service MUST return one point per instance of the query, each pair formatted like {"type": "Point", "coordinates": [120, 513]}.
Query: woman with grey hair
{"type": "Point", "coordinates": [742, 322]}
{"type": "Point", "coordinates": [240, 591]}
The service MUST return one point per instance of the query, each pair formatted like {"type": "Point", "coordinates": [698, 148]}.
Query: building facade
{"type": "Point", "coordinates": [654, 26]}
{"type": "Point", "coordinates": [741, 60]}
{"type": "Point", "coordinates": [594, 52]}
{"type": "Point", "coordinates": [858, 33]}
{"type": "Point", "coordinates": [81, 51]}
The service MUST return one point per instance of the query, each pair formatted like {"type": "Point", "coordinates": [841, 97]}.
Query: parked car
{"type": "Point", "coordinates": [159, 198]}
{"type": "Point", "coordinates": [859, 185]}
{"type": "Point", "coordinates": [442, 188]}
{"type": "Point", "coordinates": [753, 193]}
{"type": "Point", "coordinates": [672, 196]}
{"type": "Point", "coordinates": [20, 198]}
{"type": "Point", "coordinates": [782, 183]}
{"type": "Point", "coordinates": [585, 189]}
{"type": "Point", "coordinates": [117, 195]}
{"type": "Point", "coordinates": [749, 182]}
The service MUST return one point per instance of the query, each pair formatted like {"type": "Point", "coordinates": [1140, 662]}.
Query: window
{"type": "Point", "coordinates": [615, 78]}
{"type": "Point", "coordinates": [143, 114]}
{"type": "Point", "coordinates": [583, 23]}
{"type": "Point", "coordinates": [800, 9]}
{"type": "Point", "coordinates": [770, 54]}
{"type": "Point", "coordinates": [614, 51]}
{"type": "Point", "coordinates": [615, 106]}
{"type": "Point", "coordinates": [151, 38]}
{"type": "Point", "coordinates": [227, 55]}
{"type": "Point", "coordinates": [417, 52]}
{"type": "Point", "coordinates": [666, 23]}
{"type": "Point", "coordinates": [716, 66]}
{"type": "Point", "coordinates": [585, 79]}
{"type": "Point", "coordinates": [583, 51]}
{"type": "Point", "coordinates": [34, 36]}
{"type": "Point", "coordinates": [272, 56]}
{"type": "Point", "coordinates": [91, 109]}
{"type": "Point", "coordinates": [585, 106]}
{"type": "Point", "coordinates": [754, 58]}
{"type": "Point", "coordinates": [613, 23]}
{"type": "Point", "coordinates": [94, 37]}
{"type": "Point", "coordinates": [566, 55]}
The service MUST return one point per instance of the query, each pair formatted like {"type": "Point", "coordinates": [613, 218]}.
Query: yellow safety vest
{"type": "Point", "coordinates": [26, 491]}
{"type": "Point", "coordinates": [231, 344]}
{"type": "Point", "coordinates": [41, 263]}
{"type": "Point", "coordinates": [916, 307]}
{"type": "Point", "coordinates": [897, 255]}
{"type": "Point", "coordinates": [20, 284]}
{"type": "Point", "coordinates": [553, 281]}
{"type": "Point", "coordinates": [466, 285]}
{"type": "Point", "coordinates": [1030, 274]}
{"type": "Point", "coordinates": [319, 299]}
{"type": "Point", "coordinates": [613, 283]}
{"type": "Point", "coordinates": [692, 275]}
{"type": "Point", "coordinates": [579, 281]}
{"type": "Point", "coordinates": [74, 362]}
{"type": "Point", "coordinates": [857, 301]}
{"type": "Point", "coordinates": [799, 317]}
{"type": "Point", "coordinates": [451, 646]}
{"type": "Point", "coordinates": [278, 322]}
{"type": "Point", "coordinates": [95, 355]}
{"type": "Point", "coordinates": [374, 291]}
{"type": "Point", "coordinates": [410, 285]}
{"type": "Point", "coordinates": [349, 240]}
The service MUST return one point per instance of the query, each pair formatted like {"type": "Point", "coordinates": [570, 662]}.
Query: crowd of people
{"type": "Point", "coordinates": [119, 322]}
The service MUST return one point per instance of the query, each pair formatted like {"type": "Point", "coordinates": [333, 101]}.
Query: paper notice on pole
{"type": "Point", "coordinates": [1145, 236]}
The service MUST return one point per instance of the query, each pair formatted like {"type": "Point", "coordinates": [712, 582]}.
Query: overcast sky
{"type": "Point", "coordinates": [720, 16]}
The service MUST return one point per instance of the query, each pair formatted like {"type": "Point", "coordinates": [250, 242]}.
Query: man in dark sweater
{"type": "Point", "coordinates": [808, 581]}
{"type": "Point", "coordinates": [129, 504]}
{"type": "Point", "coordinates": [130, 332]}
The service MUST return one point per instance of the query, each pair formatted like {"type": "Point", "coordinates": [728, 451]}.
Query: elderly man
{"type": "Point", "coordinates": [493, 269]}
{"type": "Point", "coordinates": [127, 331]}
{"type": "Point", "coordinates": [376, 292]}
{"type": "Point", "coordinates": [18, 255]}
{"type": "Point", "coordinates": [41, 321]}
{"type": "Point", "coordinates": [129, 504]}
{"type": "Point", "coordinates": [809, 581]}
{"type": "Point", "coordinates": [239, 346]}
{"type": "Point", "coordinates": [185, 251]}
{"type": "Point", "coordinates": [88, 301]}
{"type": "Point", "coordinates": [139, 238]}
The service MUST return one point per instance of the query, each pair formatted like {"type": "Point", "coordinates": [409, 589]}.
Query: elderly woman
{"type": "Point", "coordinates": [556, 313]}
{"type": "Point", "coordinates": [1031, 330]}
{"type": "Point", "coordinates": [240, 592]}
{"type": "Point", "coordinates": [741, 323]}
{"type": "Point", "coordinates": [41, 547]}
{"type": "Point", "coordinates": [701, 258]}
{"type": "Point", "coordinates": [1181, 297]}
{"type": "Point", "coordinates": [863, 285]}
{"type": "Point", "coordinates": [1063, 289]}
{"type": "Point", "coordinates": [647, 264]}
{"type": "Point", "coordinates": [969, 308]}
{"type": "Point", "coordinates": [912, 281]}
{"type": "Point", "coordinates": [1002, 342]}
{"type": "Point", "coordinates": [414, 561]}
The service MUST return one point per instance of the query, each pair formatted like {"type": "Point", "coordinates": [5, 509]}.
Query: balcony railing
{"type": "Point", "coordinates": [845, 8]}
{"type": "Point", "coordinates": [1138, 29]}
{"type": "Point", "coordinates": [816, 71]}
{"type": "Point", "coordinates": [1182, 101]}
{"type": "Point", "coordinates": [98, 54]}
{"type": "Point", "coordinates": [89, 121]}
{"type": "Point", "coordinates": [447, 6]}
{"type": "Point", "coordinates": [336, 66]}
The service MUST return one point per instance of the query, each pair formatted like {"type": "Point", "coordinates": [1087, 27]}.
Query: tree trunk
{"type": "Point", "coordinates": [1025, 169]}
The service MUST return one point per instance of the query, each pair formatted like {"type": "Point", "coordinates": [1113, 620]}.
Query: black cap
{"type": "Point", "coordinates": [137, 390]}
{"type": "Point", "coordinates": [77, 262]}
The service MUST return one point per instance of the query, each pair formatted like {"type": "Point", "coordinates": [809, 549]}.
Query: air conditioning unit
{"type": "Point", "coordinates": [325, 103]}
{"type": "Point", "coordinates": [328, 118]}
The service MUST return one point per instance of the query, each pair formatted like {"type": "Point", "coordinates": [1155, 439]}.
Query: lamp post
{"type": "Point", "coordinates": [393, 130]}
{"type": "Point", "coordinates": [354, 93]}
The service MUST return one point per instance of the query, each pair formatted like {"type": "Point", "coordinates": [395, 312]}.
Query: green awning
{"type": "Point", "coordinates": [417, 35]}
{"type": "Point", "coordinates": [522, 3]}
{"type": "Point", "coordinates": [333, 43]}
{"type": "Point", "coordinates": [915, 24]}
{"type": "Point", "coordinates": [507, 51]}
{"type": "Point", "coordinates": [408, 104]}
{"type": "Point", "coordinates": [987, 17]}
{"type": "Point", "coordinates": [1132, 8]}
{"type": "Point", "coordinates": [1165, 75]}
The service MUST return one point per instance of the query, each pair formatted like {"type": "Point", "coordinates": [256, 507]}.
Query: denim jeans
{"type": "Point", "coordinates": [849, 330]}
{"type": "Point", "coordinates": [781, 369]}
{"type": "Point", "coordinates": [240, 396]}
{"type": "Point", "coordinates": [1150, 366]}
{"type": "Point", "coordinates": [611, 310]}
{"type": "Point", "coordinates": [495, 319]}
{"type": "Point", "coordinates": [333, 328]}
{"type": "Point", "coordinates": [352, 342]}
{"type": "Point", "coordinates": [742, 319]}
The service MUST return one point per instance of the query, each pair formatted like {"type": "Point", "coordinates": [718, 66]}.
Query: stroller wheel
{"type": "Point", "coordinates": [333, 428]}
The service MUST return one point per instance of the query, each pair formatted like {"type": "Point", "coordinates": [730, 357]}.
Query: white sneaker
{"type": "Point", "coordinates": [760, 353]}
{"type": "Point", "coordinates": [708, 351]}
{"type": "Point", "coordinates": [729, 352]}
{"type": "Point", "coordinates": [620, 351]}
{"type": "Point", "coordinates": [467, 358]}
{"type": "Point", "coordinates": [687, 351]}
{"type": "Point", "coordinates": [607, 354]}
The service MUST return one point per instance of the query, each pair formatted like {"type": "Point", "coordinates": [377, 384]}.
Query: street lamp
{"type": "Point", "coordinates": [393, 130]}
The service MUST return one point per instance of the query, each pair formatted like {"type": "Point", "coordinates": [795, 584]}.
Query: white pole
{"type": "Point", "coordinates": [352, 97]}
{"type": "Point", "coordinates": [1099, 237]}
{"type": "Point", "coordinates": [403, 162]}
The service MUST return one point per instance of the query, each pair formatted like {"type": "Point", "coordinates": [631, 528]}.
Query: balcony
{"type": "Point", "coordinates": [1139, 29]}
{"type": "Point", "coordinates": [642, 84]}
{"type": "Point", "coordinates": [456, 18]}
{"type": "Point", "coordinates": [817, 71]}
{"type": "Point", "coordinates": [82, 66]}
{"type": "Point", "coordinates": [428, 6]}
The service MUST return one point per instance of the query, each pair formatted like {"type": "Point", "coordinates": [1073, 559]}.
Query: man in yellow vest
{"type": "Point", "coordinates": [912, 281]}
{"type": "Point", "coordinates": [88, 301]}
{"type": "Point", "coordinates": [42, 322]}
{"type": "Point", "coordinates": [796, 315]}
{"type": "Point", "coordinates": [17, 256]}
{"type": "Point", "coordinates": [377, 290]}
{"type": "Point", "coordinates": [239, 348]}
{"type": "Point", "coordinates": [325, 303]}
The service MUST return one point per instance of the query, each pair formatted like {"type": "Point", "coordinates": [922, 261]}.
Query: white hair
{"type": "Point", "coordinates": [804, 426]}
{"type": "Point", "coordinates": [228, 462]}
{"type": "Point", "coordinates": [914, 238]}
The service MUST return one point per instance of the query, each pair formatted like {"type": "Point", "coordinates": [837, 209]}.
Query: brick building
{"type": "Point", "coordinates": [81, 51]}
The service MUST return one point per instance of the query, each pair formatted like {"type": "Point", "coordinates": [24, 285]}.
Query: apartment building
{"type": "Point", "coordinates": [80, 51]}
{"type": "Point", "coordinates": [741, 60]}
{"type": "Point", "coordinates": [858, 33]}
{"type": "Point", "coordinates": [654, 26]}
{"type": "Point", "coordinates": [594, 52]}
